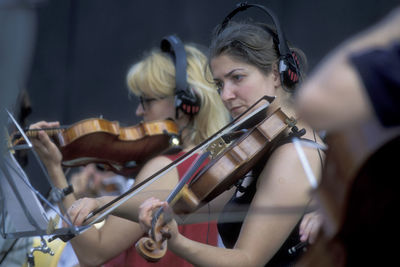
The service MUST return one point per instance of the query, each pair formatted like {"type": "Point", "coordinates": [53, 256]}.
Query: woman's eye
{"type": "Point", "coordinates": [237, 77]}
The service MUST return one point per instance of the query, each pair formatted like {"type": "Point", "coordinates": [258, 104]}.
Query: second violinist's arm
{"type": "Point", "coordinates": [51, 158]}
{"type": "Point", "coordinates": [95, 246]}
{"type": "Point", "coordinates": [129, 209]}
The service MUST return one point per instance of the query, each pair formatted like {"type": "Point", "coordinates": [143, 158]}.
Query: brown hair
{"type": "Point", "coordinates": [252, 43]}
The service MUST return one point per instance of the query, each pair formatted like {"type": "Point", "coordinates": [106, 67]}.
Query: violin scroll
{"type": "Point", "coordinates": [154, 247]}
{"type": "Point", "coordinates": [151, 250]}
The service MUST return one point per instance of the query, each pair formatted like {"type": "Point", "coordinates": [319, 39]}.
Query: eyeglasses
{"type": "Point", "coordinates": [145, 101]}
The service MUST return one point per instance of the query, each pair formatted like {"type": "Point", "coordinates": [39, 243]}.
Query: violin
{"type": "Point", "coordinates": [230, 161]}
{"type": "Point", "coordinates": [122, 150]}
{"type": "Point", "coordinates": [358, 197]}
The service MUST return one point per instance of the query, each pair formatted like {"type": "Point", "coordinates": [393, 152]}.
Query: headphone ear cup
{"type": "Point", "coordinates": [289, 70]}
{"type": "Point", "coordinates": [187, 101]}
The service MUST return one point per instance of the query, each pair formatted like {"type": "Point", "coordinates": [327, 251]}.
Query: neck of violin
{"type": "Point", "coordinates": [18, 138]}
{"type": "Point", "coordinates": [172, 197]}
{"type": "Point", "coordinates": [49, 131]}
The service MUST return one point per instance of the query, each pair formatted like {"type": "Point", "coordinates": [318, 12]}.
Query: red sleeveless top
{"type": "Point", "coordinates": [202, 232]}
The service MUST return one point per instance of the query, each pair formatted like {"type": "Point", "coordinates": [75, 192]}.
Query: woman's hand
{"type": "Point", "coordinates": [81, 208]}
{"type": "Point", "coordinates": [46, 149]}
{"type": "Point", "coordinates": [310, 226]}
{"type": "Point", "coordinates": [146, 211]}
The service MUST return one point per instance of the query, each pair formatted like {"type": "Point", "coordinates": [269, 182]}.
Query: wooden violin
{"type": "Point", "coordinates": [231, 160]}
{"type": "Point", "coordinates": [122, 150]}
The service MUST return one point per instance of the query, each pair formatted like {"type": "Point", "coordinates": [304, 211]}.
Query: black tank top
{"type": "Point", "coordinates": [229, 225]}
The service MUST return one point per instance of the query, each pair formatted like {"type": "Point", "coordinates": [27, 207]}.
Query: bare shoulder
{"type": "Point", "coordinates": [282, 157]}
{"type": "Point", "coordinates": [157, 162]}
{"type": "Point", "coordinates": [284, 164]}
{"type": "Point", "coordinates": [153, 166]}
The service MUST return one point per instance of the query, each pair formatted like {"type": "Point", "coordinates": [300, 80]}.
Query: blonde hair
{"type": "Point", "coordinates": [154, 76]}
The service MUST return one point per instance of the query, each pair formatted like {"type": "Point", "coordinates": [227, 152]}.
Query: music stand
{"type": "Point", "coordinates": [19, 200]}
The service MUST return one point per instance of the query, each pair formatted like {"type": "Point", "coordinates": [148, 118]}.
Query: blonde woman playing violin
{"type": "Point", "coordinates": [153, 80]}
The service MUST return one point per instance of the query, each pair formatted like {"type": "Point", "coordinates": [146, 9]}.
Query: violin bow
{"type": "Point", "coordinates": [235, 124]}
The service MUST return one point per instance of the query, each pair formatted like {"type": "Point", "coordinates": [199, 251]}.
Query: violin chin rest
{"type": "Point", "coordinates": [150, 250]}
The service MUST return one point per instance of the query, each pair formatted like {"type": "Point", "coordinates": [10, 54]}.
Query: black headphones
{"type": "Point", "coordinates": [288, 62]}
{"type": "Point", "coordinates": [185, 97]}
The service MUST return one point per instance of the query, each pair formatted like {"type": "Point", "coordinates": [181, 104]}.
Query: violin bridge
{"type": "Point", "coordinates": [216, 147]}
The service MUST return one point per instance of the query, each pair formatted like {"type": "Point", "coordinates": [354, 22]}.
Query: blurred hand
{"type": "Point", "coordinates": [84, 182]}
{"type": "Point", "coordinates": [310, 226]}
{"type": "Point", "coordinates": [91, 182]}
{"type": "Point", "coordinates": [81, 208]}
{"type": "Point", "coordinates": [46, 149]}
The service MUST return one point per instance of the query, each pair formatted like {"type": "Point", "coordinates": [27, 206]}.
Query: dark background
{"type": "Point", "coordinates": [83, 48]}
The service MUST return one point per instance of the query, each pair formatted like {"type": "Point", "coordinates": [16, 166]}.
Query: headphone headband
{"type": "Point", "coordinates": [172, 45]}
{"type": "Point", "coordinates": [288, 63]}
{"type": "Point", "coordinates": [185, 98]}
{"type": "Point", "coordinates": [282, 45]}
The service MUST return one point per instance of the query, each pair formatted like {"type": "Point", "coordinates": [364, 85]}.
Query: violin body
{"type": "Point", "coordinates": [122, 150]}
{"type": "Point", "coordinates": [233, 163]}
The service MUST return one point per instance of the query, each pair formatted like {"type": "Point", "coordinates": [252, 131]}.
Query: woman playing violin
{"type": "Point", "coordinates": [153, 80]}
{"type": "Point", "coordinates": [244, 63]}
